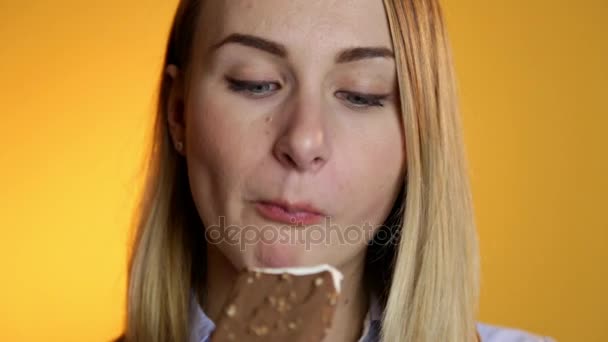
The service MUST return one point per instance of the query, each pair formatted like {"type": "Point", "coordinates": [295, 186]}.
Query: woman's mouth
{"type": "Point", "coordinates": [293, 214]}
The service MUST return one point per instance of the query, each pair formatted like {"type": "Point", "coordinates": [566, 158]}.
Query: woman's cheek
{"type": "Point", "coordinates": [377, 161]}
{"type": "Point", "coordinates": [216, 130]}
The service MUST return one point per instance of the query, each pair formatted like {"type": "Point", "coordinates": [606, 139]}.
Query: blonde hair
{"type": "Point", "coordinates": [431, 291]}
{"type": "Point", "coordinates": [434, 292]}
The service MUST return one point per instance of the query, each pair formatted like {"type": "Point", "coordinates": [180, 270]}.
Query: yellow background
{"type": "Point", "coordinates": [77, 82]}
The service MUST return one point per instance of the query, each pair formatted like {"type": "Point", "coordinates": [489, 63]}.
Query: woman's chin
{"type": "Point", "coordinates": [278, 255]}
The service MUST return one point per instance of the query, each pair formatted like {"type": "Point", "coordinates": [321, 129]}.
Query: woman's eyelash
{"type": "Point", "coordinates": [260, 89]}
{"type": "Point", "coordinates": [252, 88]}
{"type": "Point", "coordinates": [363, 100]}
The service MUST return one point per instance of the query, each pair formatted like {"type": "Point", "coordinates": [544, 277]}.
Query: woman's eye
{"type": "Point", "coordinates": [362, 100]}
{"type": "Point", "coordinates": [252, 88]}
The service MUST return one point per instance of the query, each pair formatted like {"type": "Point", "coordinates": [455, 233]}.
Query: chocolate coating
{"type": "Point", "coordinates": [278, 307]}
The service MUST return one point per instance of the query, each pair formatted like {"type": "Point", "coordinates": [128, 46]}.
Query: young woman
{"type": "Point", "coordinates": [290, 115]}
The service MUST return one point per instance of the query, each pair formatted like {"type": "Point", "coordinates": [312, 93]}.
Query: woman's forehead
{"type": "Point", "coordinates": [307, 25]}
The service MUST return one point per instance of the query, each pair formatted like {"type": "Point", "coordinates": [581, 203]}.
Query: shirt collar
{"type": "Point", "coordinates": [202, 325]}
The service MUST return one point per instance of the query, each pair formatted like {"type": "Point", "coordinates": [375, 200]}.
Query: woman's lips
{"type": "Point", "coordinates": [301, 214]}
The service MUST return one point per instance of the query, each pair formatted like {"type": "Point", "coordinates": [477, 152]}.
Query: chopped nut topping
{"type": "Point", "coordinates": [259, 330]}
{"type": "Point", "coordinates": [285, 276]}
{"type": "Point", "coordinates": [282, 305]}
{"type": "Point", "coordinates": [292, 295]}
{"type": "Point", "coordinates": [231, 310]}
{"type": "Point", "coordinates": [291, 325]}
{"type": "Point", "coordinates": [272, 300]}
{"type": "Point", "coordinates": [257, 275]}
{"type": "Point", "coordinates": [333, 298]}
{"type": "Point", "coordinates": [318, 281]}
{"type": "Point", "coordinates": [249, 280]}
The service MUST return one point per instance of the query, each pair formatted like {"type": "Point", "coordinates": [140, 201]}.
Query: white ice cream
{"type": "Point", "coordinates": [336, 275]}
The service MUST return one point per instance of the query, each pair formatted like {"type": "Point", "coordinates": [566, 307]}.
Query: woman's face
{"type": "Point", "coordinates": [280, 112]}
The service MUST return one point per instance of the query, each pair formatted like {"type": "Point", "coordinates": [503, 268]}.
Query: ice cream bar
{"type": "Point", "coordinates": [293, 304]}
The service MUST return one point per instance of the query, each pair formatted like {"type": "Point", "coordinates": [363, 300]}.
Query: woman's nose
{"type": "Point", "coordinates": [303, 143]}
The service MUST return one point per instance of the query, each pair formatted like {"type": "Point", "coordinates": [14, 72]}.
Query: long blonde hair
{"type": "Point", "coordinates": [431, 291]}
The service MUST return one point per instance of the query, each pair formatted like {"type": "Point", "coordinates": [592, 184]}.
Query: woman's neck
{"type": "Point", "coordinates": [350, 311]}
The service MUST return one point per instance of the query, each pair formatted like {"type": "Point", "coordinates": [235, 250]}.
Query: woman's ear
{"type": "Point", "coordinates": [175, 108]}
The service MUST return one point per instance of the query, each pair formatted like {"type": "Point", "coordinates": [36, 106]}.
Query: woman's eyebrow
{"type": "Point", "coordinates": [344, 56]}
